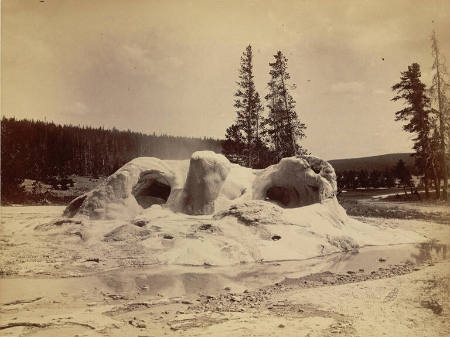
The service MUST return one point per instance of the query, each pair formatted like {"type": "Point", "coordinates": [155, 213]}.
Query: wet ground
{"type": "Point", "coordinates": [166, 280]}
{"type": "Point", "coordinates": [396, 290]}
{"type": "Point", "coordinates": [383, 204]}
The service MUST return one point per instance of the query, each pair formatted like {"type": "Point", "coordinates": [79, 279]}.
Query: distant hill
{"type": "Point", "coordinates": [371, 163]}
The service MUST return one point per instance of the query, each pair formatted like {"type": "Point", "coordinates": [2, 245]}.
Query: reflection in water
{"type": "Point", "coordinates": [429, 251]}
{"type": "Point", "coordinates": [342, 259]}
{"type": "Point", "coordinates": [373, 258]}
{"type": "Point", "coordinates": [174, 280]}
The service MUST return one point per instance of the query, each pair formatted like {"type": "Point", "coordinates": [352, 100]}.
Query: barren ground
{"type": "Point", "coordinates": [397, 290]}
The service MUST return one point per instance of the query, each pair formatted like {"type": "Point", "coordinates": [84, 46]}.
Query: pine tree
{"type": "Point", "coordinates": [388, 178]}
{"type": "Point", "coordinates": [375, 178]}
{"type": "Point", "coordinates": [402, 173]}
{"type": "Point", "coordinates": [417, 115]}
{"type": "Point", "coordinates": [248, 108]}
{"type": "Point", "coordinates": [363, 178]}
{"type": "Point", "coordinates": [233, 146]}
{"type": "Point", "coordinates": [351, 179]}
{"type": "Point", "coordinates": [47, 152]}
{"type": "Point", "coordinates": [284, 127]}
{"type": "Point", "coordinates": [438, 89]}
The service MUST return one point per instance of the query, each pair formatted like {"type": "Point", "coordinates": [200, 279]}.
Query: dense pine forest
{"type": "Point", "coordinates": [44, 150]}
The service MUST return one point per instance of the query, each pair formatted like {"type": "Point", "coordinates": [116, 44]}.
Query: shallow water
{"type": "Point", "coordinates": [176, 280]}
{"type": "Point", "coordinates": [374, 257]}
{"type": "Point", "coordinates": [185, 280]}
{"type": "Point", "coordinates": [179, 280]}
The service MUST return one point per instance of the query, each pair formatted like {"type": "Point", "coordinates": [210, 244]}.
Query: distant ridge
{"type": "Point", "coordinates": [374, 162]}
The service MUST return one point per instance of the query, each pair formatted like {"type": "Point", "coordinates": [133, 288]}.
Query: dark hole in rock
{"type": "Point", "coordinates": [168, 236]}
{"type": "Point", "coordinates": [205, 227]}
{"type": "Point", "coordinates": [152, 191]}
{"type": "Point", "coordinates": [140, 223]}
{"type": "Point", "coordinates": [208, 228]}
{"type": "Point", "coordinates": [316, 169]}
{"type": "Point", "coordinates": [276, 237]}
{"type": "Point", "coordinates": [286, 196]}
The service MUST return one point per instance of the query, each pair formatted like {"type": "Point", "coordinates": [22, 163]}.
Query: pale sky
{"type": "Point", "coordinates": [171, 66]}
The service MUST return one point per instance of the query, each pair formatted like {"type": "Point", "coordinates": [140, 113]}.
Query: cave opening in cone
{"type": "Point", "coordinates": [284, 196]}
{"type": "Point", "coordinates": [152, 191]}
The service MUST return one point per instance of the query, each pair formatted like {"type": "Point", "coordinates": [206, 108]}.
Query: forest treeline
{"type": "Point", "coordinates": [398, 175]}
{"type": "Point", "coordinates": [44, 150]}
{"type": "Point", "coordinates": [260, 135]}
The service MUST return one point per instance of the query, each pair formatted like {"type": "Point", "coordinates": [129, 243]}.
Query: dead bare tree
{"type": "Point", "coordinates": [439, 89]}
